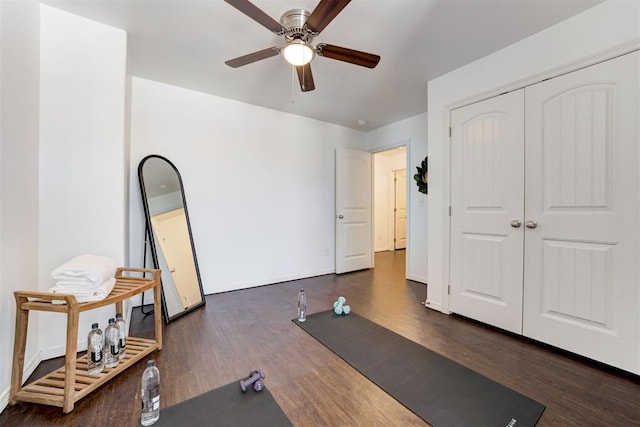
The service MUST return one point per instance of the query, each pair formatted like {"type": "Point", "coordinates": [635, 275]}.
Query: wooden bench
{"type": "Point", "coordinates": [65, 386]}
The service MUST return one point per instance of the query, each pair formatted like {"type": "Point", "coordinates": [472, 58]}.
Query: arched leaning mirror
{"type": "Point", "coordinates": [169, 233]}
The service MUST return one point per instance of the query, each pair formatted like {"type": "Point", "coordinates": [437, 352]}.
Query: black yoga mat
{"type": "Point", "coordinates": [226, 406]}
{"type": "Point", "coordinates": [438, 390]}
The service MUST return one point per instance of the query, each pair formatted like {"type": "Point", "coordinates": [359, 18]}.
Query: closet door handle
{"type": "Point", "coordinates": [531, 224]}
{"type": "Point", "coordinates": [516, 223]}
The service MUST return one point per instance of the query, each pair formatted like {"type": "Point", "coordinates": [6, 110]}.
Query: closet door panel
{"type": "Point", "coordinates": [582, 190]}
{"type": "Point", "coordinates": [487, 165]}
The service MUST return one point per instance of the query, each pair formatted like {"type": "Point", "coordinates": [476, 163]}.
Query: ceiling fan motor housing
{"type": "Point", "coordinates": [294, 21]}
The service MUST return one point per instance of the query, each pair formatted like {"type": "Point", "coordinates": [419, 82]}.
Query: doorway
{"type": "Point", "coordinates": [390, 209]}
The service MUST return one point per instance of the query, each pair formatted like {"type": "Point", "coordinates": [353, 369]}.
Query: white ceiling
{"type": "Point", "coordinates": [185, 43]}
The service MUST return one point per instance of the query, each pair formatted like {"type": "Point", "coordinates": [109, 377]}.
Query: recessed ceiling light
{"type": "Point", "coordinates": [362, 122]}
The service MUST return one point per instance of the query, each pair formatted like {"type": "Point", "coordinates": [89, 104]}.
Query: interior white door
{"type": "Point", "coordinates": [582, 190]}
{"type": "Point", "coordinates": [487, 204]}
{"type": "Point", "coordinates": [353, 210]}
{"type": "Point", "coordinates": [400, 209]}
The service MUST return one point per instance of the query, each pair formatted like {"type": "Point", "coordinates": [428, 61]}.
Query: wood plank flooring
{"type": "Point", "coordinates": [240, 331]}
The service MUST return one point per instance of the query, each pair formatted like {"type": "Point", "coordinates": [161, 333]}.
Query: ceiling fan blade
{"type": "Point", "coordinates": [252, 57]}
{"type": "Point", "coordinates": [253, 12]}
{"type": "Point", "coordinates": [324, 13]}
{"type": "Point", "coordinates": [351, 56]}
{"type": "Point", "coordinates": [306, 78]}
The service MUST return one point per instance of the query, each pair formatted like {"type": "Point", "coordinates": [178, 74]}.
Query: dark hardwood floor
{"type": "Point", "coordinates": [240, 331]}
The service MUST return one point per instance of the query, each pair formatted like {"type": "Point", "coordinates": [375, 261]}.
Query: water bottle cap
{"type": "Point", "coordinates": [118, 315]}
{"type": "Point", "coordinates": [112, 321]}
{"type": "Point", "coordinates": [150, 363]}
{"type": "Point", "coordinates": [94, 326]}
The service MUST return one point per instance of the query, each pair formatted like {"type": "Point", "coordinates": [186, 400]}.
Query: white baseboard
{"type": "Point", "coordinates": [268, 281]}
{"type": "Point", "coordinates": [4, 399]}
{"type": "Point", "coordinates": [29, 367]}
{"type": "Point", "coordinates": [61, 350]}
{"type": "Point", "coordinates": [417, 278]}
{"type": "Point", "coordinates": [434, 306]}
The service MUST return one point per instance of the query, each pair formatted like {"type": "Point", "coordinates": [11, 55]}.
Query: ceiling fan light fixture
{"type": "Point", "coordinates": [298, 53]}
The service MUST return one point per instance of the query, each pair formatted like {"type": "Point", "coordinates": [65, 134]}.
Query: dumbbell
{"type": "Point", "coordinates": [255, 378]}
{"type": "Point", "coordinates": [339, 306]}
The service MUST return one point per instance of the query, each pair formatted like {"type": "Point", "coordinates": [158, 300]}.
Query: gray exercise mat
{"type": "Point", "coordinates": [438, 390]}
{"type": "Point", "coordinates": [226, 406]}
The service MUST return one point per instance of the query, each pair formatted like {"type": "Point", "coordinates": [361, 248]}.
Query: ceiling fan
{"type": "Point", "coordinates": [299, 28]}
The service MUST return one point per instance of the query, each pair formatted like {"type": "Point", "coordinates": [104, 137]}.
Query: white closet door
{"type": "Point", "coordinates": [487, 181]}
{"type": "Point", "coordinates": [582, 190]}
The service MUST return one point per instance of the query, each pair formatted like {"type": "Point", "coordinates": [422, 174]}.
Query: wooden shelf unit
{"type": "Point", "coordinates": [65, 386]}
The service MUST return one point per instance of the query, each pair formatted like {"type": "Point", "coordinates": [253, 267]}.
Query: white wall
{"type": "Point", "coordinates": [259, 184]}
{"type": "Point", "coordinates": [83, 177]}
{"type": "Point", "coordinates": [411, 132]}
{"type": "Point", "coordinates": [384, 166]}
{"type": "Point", "coordinates": [19, 71]}
{"type": "Point", "coordinates": [607, 29]}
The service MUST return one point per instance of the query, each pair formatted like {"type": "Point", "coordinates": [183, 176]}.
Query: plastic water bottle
{"type": "Point", "coordinates": [95, 359]}
{"type": "Point", "coordinates": [112, 350]}
{"type": "Point", "coordinates": [122, 329]}
{"type": "Point", "coordinates": [302, 306]}
{"type": "Point", "coordinates": [150, 394]}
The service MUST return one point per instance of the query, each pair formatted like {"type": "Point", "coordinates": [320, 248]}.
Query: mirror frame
{"type": "Point", "coordinates": [151, 240]}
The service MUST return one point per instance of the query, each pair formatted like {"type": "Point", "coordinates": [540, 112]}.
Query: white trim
{"type": "Point", "coordinates": [61, 350]}
{"type": "Point", "coordinates": [29, 368]}
{"type": "Point", "coordinates": [273, 281]}
{"type": "Point", "coordinates": [4, 399]}
{"type": "Point", "coordinates": [393, 145]}
{"type": "Point", "coordinates": [554, 72]}
{"type": "Point", "coordinates": [434, 306]}
{"type": "Point", "coordinates": [418, 278]}
{"type": "Point", "coordinates": [446, 243]}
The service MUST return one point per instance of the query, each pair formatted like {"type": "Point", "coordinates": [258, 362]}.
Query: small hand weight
{"type": "Point", "coordinates": [255, 378]}
{"type": "Point", "coordinates": [339, 306]}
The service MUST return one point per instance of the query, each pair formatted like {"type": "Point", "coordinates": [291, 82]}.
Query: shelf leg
{"type": "Point", "coordinates": [157, 308]}
{"type": "Point", "coordinates": [19, 345]}
{"type": "Point", "coordinates": [71, 358]}
{"type": "Point", "coordinates": [119, 307]}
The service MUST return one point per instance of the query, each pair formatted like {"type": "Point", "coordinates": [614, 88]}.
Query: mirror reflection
{"type": "Point", "coordinates": [169, 234]}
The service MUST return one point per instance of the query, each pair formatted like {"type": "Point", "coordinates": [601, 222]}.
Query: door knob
{"type": "Point", "coordinates": [531, 224]}
{"type": "Point", "coordinates": [340, 216]}
{"type": "Point", "coordinates": [516, 223]}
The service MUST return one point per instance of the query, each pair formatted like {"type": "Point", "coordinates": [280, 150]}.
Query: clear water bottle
{"type": "Point", "coordinates": [95, 359]}
{"type": "Point", "coordinates": [302, 306]}
{"type": "Point", "coordinates": [112, 350]}
{"type": "Point", "coordinates": [122, 329]}
{"type": "Point", "coordinates": [150, 394]}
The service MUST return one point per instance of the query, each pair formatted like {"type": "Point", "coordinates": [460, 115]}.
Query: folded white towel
{"type": "Point", "coordinates": [84, 270]}
{"type": "Point", "coordinates": [77, 284]}
{"type": "Point", "coordinates": [86, 295]}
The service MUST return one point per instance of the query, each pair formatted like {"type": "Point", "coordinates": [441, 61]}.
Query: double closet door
{"type": "Point", "coordinates": [545, 197]}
